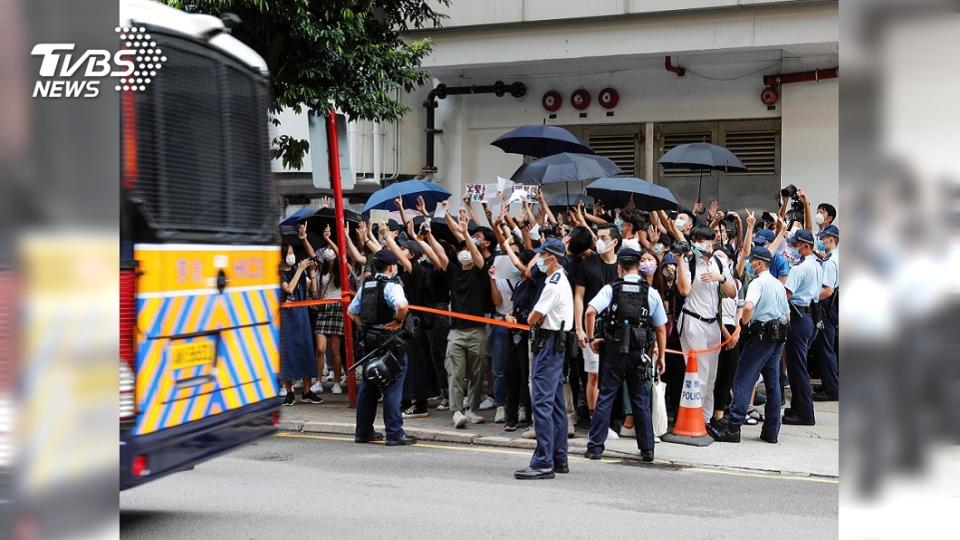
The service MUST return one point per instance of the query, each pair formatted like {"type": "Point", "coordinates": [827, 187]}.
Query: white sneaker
{"type": "Point", "coordinates": [529, 434]}
{"type": "Point", "coordinates": [522, 415]}
{"type": "Point", "coordinates": [283, 391]}
{"type": "Point", "coordinates": [336, 389]}
{"type": "Point", "coordinates": [474, 418]}
{"type": "Point", "coordinates": [317, 388]}
{"type": "Point", "coordinates": [612, 435]}
{"type": "Point", "coordinates": [501, 416]}
{"type": "Point", "coordinates": [343, 380]}
{"type": "Point", "coordinates": [329, 377]}
{"type": "Point", "coordinates": [298, 385]}
{"type": "Point", "coordinates": [459, 420]}
{"type": "Point", "coordinates": [487, 403]}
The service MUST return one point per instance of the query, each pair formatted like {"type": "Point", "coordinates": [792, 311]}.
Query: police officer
{"type": "Point", "coordinates": [635, 313]}
{"type": "Point", "coordinates": [551, 319]}
{"type": "Point", "coordinates": [824, 348]}
{"type": "Point", "coordinates": [764, 322]}
{"type": "Point", "coordinates": [380, 307]}
{"type": "Point", "coordinates": [803, 288]}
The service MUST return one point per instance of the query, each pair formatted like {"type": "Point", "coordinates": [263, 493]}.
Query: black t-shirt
{"type": "Point", "coordinates": [415, 285]}
{"type": "Point", "coordinates": [524, 298]}
{"type": "Point", "coordinates": [439, 285]}
{"type": "Point", "coordinates": [469, 293]}
{"type": "Point", "coordinates": [592, 274]}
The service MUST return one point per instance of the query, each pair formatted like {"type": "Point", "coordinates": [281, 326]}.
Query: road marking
{"type": "Point", "coordinates": [772, 476]}
{"type": "Point", "coordinates": [466, 448]}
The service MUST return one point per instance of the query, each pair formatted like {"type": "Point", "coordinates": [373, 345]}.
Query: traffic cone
{"type": "Point", "coordinates": [689, 428]}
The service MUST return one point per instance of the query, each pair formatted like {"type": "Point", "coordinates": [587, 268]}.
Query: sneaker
{"type": "Point", "coordinates": [444, 405]}
{"type": "Point", "coordinates": [612, 435]}
{"type": "Point", "coordinates": [501, 415]}
{"type": "Point", "coordinates": [317, 388]}
{"type": "Point", "coordinates": [529, 434]}
{"type": "Point", "coordinates": [487, 404]}
{"type": "Point", "coordinates": [289, 399]}
{"type": "Point", "coordinates": [459, 420]}
{"type": "Point", "coordinates": [336, 389]}
{"type": "Point", "coordinates": [414, 412]}
{"type": "Point", "coordinates": [522, 415]}
{"type": "Point", "coordinates": [474, 418]}
{"type": "Point", "coordinates": [329, 377]}
{"type": "Point", "coordinates": [510, 427]}
{"type": "Point", "coordinates": [310, 397]}
{"type": "Point", "coordinates": [297, 385]}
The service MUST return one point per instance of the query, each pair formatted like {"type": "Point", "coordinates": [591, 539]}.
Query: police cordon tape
{"type": "Point", "coordinates": [475, 318]}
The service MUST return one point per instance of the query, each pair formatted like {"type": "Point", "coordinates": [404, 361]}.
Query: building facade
{"type": "Point", "coordinates": [682, 71]}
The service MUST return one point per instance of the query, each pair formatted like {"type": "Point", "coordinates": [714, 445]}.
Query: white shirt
{"type": "Point", "coordinates": [728, 306]}
{"type": "Point", "coordinates": [505, 286]}
{"type": "Point", "coordinates": [328, 289]}
{"type": "Point", "coordinates": [703, 298]}
{"type": "Point", "coordinates": [632, 243]}
{"type": "Point", "coordinates": [556, 302]}
{"type": "Point", "coordinates": [831, 269]}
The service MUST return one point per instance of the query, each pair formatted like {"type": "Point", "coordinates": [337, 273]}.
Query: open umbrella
{"type": "Point", "coordinates": [567, 200]}
{"type": "Point", "coordinates": [540, 141]}
{"type": "Point", "coordinates": [615, 192]}
{"type": "Point", "coordinates": [702, 156]}
{"type": "Point", "coordinates": [565, 167]}
{"type": "Point", "coordinates": [409, 190]}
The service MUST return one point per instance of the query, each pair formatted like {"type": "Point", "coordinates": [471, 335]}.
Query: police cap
{"type": "Point", "coordinates": [628, 256]}
{"type": "Point", "coordinates": [761, 254]}
{"type": "Point", "coordinates": [385, 256]}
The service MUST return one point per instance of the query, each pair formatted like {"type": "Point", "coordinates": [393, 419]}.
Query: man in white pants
{"type": "Point", "coordinates": [699, 327]}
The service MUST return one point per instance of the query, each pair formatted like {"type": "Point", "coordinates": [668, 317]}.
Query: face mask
{"type": "Point", "coordinates": [542, 265]}
{"type": "Point", "coordinates": [329, 255]}
{"type": "Point", "coordinates": [669, 274]}
{"type": "Point", "coordinates": [820, 247]}
{"type": "Point", "coordinates": [618, 223]}
{"type": "Point", "coordinates": [818, 218]}
{"type": "Point", "coordinates": [647, 268]}
{"type": "Point", "coordinates": [658, 248]}
{"type": "Point", "coordinates": [515, 272]}
{"type": "Point", "coordinates": [603, 246]}
{"type": "Point", "coordinates": [679, 223]}
{"type": "Point", "coordinates": [464, 258]}
{"type": "Point", "coordinates": [291, 260]}
{"type": "Point", "coordinates": [700, 248]}
{"type": "Point", "coordinates": [750, 271]}
{"type": "Point", "coordinates": [794, 255]}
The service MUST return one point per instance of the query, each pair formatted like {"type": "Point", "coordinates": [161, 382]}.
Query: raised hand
{"type": "Point", "coordinates": [698, 207]}
{"type": "Point", "coordinates": [302, 231]}
{"type": "Point", "coordinates": [751, 218]}
{"type": "Point", "coordinates": [713, 209]}
{"type": "Point", "coordinates": [421, 205]}
{"type": "Point", "coordinates": [398, 202]}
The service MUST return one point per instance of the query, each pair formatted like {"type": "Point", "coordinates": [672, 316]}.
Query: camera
{"type": "Point", "coordinates": [680, 248]}
{"type": "Point", "coordinates": [789, 192]}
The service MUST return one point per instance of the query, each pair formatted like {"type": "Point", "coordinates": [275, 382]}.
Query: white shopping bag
{"type": "Point", "coordinates": [659, 407]}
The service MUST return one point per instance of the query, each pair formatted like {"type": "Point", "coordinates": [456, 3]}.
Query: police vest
{"type": "Point", "coordinates": [630, 304]}
{"type": "Point", "coordinates": [374, 309]}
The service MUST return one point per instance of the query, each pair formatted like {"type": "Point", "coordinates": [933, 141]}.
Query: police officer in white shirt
{"type": "Point", "coordinates": [824, 346]}
{"type": "Point", "coordinates": [804, 284]}
{"type": "Point", "coordinates": [699, 319]}
{"type": "Point", "coordinates": [552, 317]}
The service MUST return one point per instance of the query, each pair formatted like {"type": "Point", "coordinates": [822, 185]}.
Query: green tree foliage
{"type": "Point", "coordinates": [347, 52]}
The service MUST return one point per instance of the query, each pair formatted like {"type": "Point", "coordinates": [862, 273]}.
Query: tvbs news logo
{"type": "Point", "coordinates": [67, 73]}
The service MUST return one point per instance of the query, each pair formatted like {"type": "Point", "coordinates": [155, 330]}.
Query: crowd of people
{"type": "Point", "coordinates": [700, 262]}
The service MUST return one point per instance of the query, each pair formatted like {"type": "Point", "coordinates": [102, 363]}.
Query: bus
{"type": "Point", "coordinates": [199, 283]}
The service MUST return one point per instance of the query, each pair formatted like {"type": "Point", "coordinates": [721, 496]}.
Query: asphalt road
{"type": "Point", "coordinates": [311, 486]}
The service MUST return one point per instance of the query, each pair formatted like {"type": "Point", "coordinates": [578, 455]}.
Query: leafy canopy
{"type": "Point", "coordinates": [347, 52]}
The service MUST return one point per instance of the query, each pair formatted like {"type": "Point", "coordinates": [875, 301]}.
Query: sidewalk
{"type": "Point", "coordinates": [803, 450]}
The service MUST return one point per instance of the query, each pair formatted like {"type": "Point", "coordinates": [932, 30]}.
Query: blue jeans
{"type": "Point", "coordinates": [367, 406]}
{"type": "Point", "coordinates": [798, 349]}
{"type": "Point", "coordinates": [549, 407]}
{"type": "Point", "coordinates": [500, 351]}
{"type": "Point", "coordinates": [616, 369]}
{"type": "Point", "coordinates": [758, 356]}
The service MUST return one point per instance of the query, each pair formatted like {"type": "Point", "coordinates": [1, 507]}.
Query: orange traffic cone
{"type": "Point", "coordinates": [689, 428]}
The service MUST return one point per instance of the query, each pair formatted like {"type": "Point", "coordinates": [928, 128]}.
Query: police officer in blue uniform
{"type": "Point", "coordinates": [765, 328]}
{"type": "Point", "coordinates": [380, 307]}
{"type": "Point", "coordinates": [803, 289]}
{"type": "Point", "coordinates": [551, 319]}
{"type": "Point", "coordinates": [824, 347]}
{"type": "Point", "coordinates": [633, 314]}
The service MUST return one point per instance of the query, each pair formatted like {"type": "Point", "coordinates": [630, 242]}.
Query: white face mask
{"type": "Point", "coordinates": [603, 246]}
{"type": "Point", "coordinates": [291, 260]}
{"type": "Point", "coordinates": [542, 265]}
{"type": "Point", "coordinates": [464, 258]}
{"type": "Point", "coordinates": [818, 218]}
{"type": "Point", "coordinates": [679, 223]}
{"type": "Point", "coordinates": [329, 255]}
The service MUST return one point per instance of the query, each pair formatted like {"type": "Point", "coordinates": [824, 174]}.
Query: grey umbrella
{"type": "Point", "coordinates": [702, 156]}
{"type": "Point", "coordinates": [565, 167]}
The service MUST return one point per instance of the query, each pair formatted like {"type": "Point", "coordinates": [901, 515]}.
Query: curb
{"type": "Point", "coordinates": [467, 437]}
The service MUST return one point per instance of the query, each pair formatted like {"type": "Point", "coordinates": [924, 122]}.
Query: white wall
{"type": "Point", "coordinates": [810, 142]}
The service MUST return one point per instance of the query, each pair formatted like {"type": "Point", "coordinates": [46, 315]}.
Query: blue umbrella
{"type": "Point", "coordinates": [295, 217]}
{"type": "Point", "coordinates": [615, 192]}
{"type": "Point", "coordinates": [565, 167]}
{"type": "Point", "coordinates": [409, 190]}
{"type": "Point", "coordinates": [540, 141]}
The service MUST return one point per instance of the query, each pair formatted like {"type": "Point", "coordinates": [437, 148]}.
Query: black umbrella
{"type": "Point", "coordinates": [702, 156]}
{"type": "Point", "coordinates": [568, 200]}
{"type": "Point", "coordinates": [615, 192]}
{"type": "Point", "coordinates": [565, 167]}
{"type": "Point", "coordinates": [540, 141]}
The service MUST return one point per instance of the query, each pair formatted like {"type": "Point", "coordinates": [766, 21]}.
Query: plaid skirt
{"type": "Point", "coordinates": [329, 320]}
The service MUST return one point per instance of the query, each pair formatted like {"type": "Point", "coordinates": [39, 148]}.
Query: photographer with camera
{"type": "Point", "coordinates": [380, 308]}
{"type": "Point", "coordinates": [703, 281]}
{"type": "Point", "coordinates": [799, 205]}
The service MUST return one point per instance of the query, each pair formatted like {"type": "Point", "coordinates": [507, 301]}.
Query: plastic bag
{"type": "Point", "coordinates": [659, 399]}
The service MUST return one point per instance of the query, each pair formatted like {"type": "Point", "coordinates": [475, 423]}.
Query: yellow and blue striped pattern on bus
{"type": "Point", "coordinates": [177, 296]}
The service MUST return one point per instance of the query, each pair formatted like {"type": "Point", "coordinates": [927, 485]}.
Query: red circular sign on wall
{"type": "Point", "coordinates": [580, 99]}
{"type": "Point", "coordinates": [608, 98]}
{"type": "Point", "coordinates": [551, 101]}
